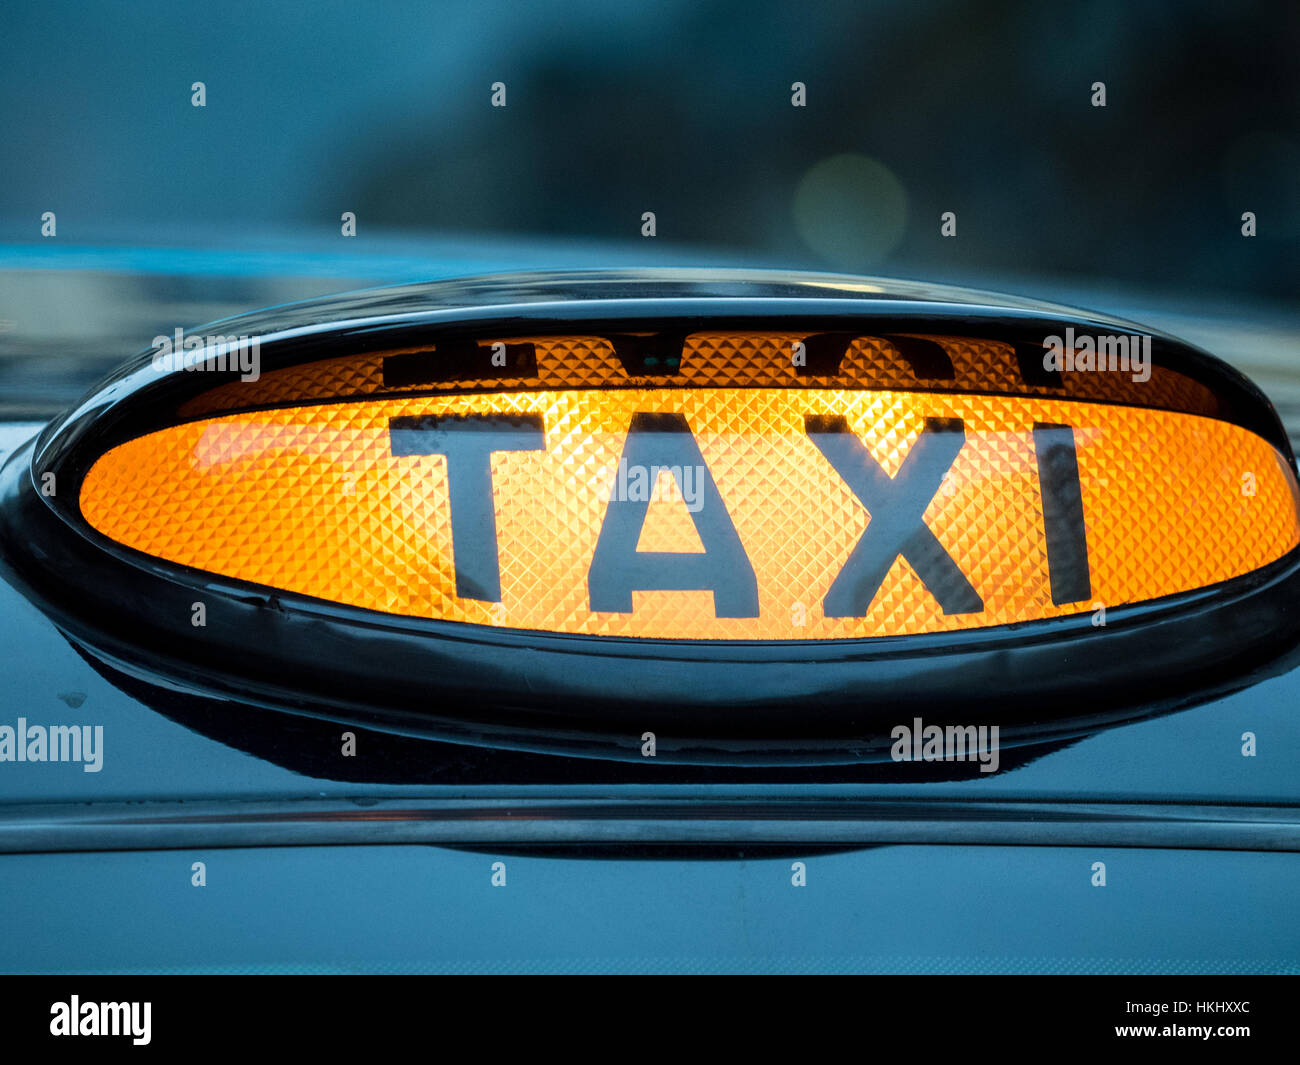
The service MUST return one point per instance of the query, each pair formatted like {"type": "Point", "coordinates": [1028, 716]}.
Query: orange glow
{"type": "Point", "coordinates": [313, 500]}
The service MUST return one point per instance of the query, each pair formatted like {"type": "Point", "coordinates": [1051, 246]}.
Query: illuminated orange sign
{"type": "Point", "coordinates": [762, 513]}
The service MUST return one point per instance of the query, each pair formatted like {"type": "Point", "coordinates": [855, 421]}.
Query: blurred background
{"type": "Point", "coordinates": [169, 214]}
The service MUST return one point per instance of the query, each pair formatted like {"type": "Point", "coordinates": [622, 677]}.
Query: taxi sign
{"type": "Point", "coordinates": [706, 513]}
{"type": "Point", "coordinates": [761, 515]}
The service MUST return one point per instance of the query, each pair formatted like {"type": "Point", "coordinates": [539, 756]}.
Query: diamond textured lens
{"type": "Point", "coordinates": [353, 502]}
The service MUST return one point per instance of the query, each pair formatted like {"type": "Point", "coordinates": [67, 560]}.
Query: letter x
{"type": "Point", "coordinates": [897, 525]}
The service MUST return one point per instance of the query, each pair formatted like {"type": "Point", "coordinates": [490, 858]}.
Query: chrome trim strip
{"type": "Point", "coordinates": [582, 822]}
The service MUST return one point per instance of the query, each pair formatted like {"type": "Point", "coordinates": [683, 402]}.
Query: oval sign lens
{"type": "Point", "coordinates": [728, 494]}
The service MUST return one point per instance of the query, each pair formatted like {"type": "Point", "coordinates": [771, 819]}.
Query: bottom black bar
{"type": "Point", "coordinates": [166, 1014]}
